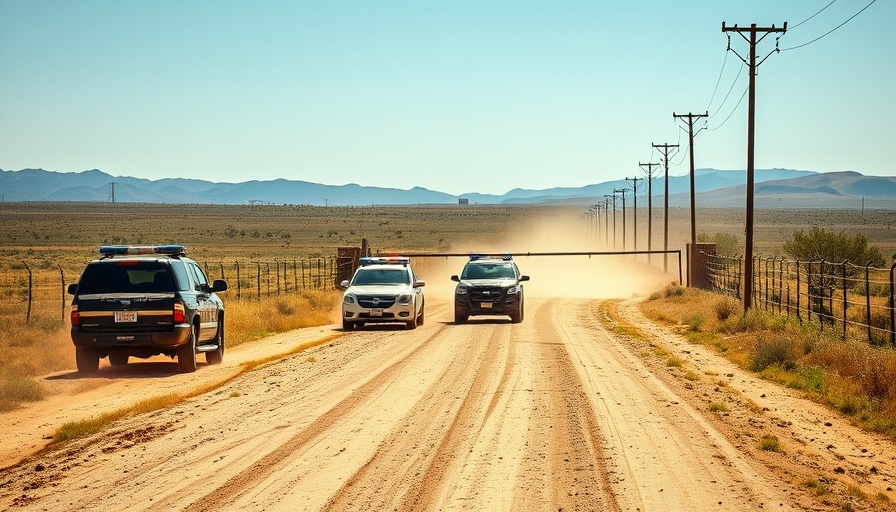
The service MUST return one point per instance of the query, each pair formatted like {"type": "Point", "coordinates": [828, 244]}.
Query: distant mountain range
{"type": "Point", "coordinates": [774, 188]}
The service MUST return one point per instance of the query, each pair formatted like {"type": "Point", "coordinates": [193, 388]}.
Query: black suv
{"type": "Point", "coordinates": [143, 301]}
{"type": "Point", "coordinates": [489, 285]}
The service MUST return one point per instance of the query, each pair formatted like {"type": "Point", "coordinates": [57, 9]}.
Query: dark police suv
{"type": "Point", "coordinates": [143, 301]}
{"type": "Point", "coordinates": [489, 285]}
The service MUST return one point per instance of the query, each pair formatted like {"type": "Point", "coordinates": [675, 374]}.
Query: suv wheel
{"type": "Point", "coordinates": [186, 354]}
{"type": "Point", "coordinates": [517, 317]}
{"type": "Point", "coordinates": [412, 324]}
{"type": "Point", "coordinates": [347, 326]}
{"type": "Point", "coordinates": [118, 358]}
{"type": "Point", "coordinates": [422, 317]}
{"type": "Point", "coordinates": [217, 355]}
{"type": "Point", "coordinates": [87, 360]}
{"type": "Point", "coordinates": [459, 317]}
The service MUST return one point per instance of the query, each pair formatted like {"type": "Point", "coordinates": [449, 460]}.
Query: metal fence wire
{"type": "Point", "coordinates": [837, 295]}
{"type": "Point", "coordinates": [26, 292]}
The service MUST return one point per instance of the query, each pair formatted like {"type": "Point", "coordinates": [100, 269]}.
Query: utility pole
{"type": "Point", "coordinates": [690, 120]}
{"type": "Point", "coordinates": [753, 30]}
{"type": "Point", "coordinates": [622, 191]}
{"type": "Point", "coordinates": [112, 192]}
{"type": "Point", "coordinates": [665, 149]}
{"type": "Point", "coordinates": [649, 172]}
{"type": "Point", "coordinates": [607, 221]}
{"type": "Point", "coordinates": [608, 196]}
{"type": "Point", "coordinates": [634, 181]}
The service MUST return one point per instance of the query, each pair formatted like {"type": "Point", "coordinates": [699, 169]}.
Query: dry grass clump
{"type": "Point", "coordinates": [251, 320]}
{"type": "Point", "coordinates": [853, 377]}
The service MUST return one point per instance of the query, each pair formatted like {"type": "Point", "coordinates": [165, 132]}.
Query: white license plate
{"type": "Point", "coordinates": [486, 305]}
{"type": "Point", "coordinates": [376, 312]}
{"type": "Point", "coordinates": [125, 316]}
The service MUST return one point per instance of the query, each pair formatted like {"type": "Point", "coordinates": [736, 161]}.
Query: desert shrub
{"type": "Point", "coordinates": [809, 378]}
{"type": "Point", "coordinates": [775, 351]}
{"type": "Point", "coordinates": [718, 407]}
{"type": "Point", "coordinates": [695, 321]}
{"type": "Point", "coordinates": [820, 244]}
{"type": "Point", "coordinates": [770, 443]}
{"type": "Point", "coordinates": [673, 290]}
{"type": "Point", "coordinates": [727, 307]}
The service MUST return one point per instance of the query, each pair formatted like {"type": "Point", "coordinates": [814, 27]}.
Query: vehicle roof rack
{"type": "Point", "coordinates": [385, 260]}
{"type": "Point", "coordinates": [110, 251]}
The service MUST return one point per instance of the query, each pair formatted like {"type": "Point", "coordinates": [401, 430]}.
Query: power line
{"type": "Point", "coordinates": [830, 31]}
{"type": "Point", "coordinates": [732, 111]}
{"type": "Point", "coordinates": [736, 79]}
{"type": "Point", "coordinates": [814, 15]}
{"type": "Point", "coordinates": [718, 81]}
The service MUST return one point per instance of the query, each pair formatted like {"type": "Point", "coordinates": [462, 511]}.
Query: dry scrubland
{"type": "Point", "coordinates": [50, 235]}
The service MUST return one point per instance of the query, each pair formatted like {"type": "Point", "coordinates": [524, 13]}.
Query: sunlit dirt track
{"type": "Point", "coordinates": [551, 414]}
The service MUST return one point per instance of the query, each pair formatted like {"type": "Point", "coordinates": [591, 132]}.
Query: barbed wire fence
{"type": "Point", "coordinates": [27, 292]}
{"type": "Point", "coordinates": [837, 295]}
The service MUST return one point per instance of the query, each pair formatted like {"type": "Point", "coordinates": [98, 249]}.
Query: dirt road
{"type": "Point", "coordinates": [556, 413]}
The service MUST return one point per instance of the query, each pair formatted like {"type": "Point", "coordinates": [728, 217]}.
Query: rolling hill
{"type": "Point", "coordinates": [717, 188]}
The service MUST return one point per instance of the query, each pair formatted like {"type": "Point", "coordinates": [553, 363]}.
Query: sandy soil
{"type": "Point", "coordinates": [557, 413]}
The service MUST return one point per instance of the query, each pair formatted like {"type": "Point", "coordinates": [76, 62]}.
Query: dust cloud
{"type": "Point", "coordinates": [578, 276]}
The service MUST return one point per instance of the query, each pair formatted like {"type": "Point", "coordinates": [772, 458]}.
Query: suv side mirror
{"type": "Point", "coordinates": [419, 283]}
{"type": "Point", "coordinates": [524, 278]}
{"type": "Point", "coordinates": [72, 288]}
{"type": "Point", "coordinates": [219, 285]}
{"type": "Point", "coordinates": [455, 278]}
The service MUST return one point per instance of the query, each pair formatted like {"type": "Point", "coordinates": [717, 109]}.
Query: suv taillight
{"type": "Point", "coordinates": [75, 317]}
{"type": "Point", "coordinates": [179, 315]}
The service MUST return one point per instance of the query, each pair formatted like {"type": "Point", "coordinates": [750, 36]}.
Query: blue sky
{"type": "Point", "coordinates": [456, 96]}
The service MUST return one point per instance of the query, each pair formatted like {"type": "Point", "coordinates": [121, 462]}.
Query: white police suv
{"type": "Point", "coordinates": [383, 290]}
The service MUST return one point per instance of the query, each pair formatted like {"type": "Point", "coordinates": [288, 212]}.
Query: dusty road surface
{"type": "Point", "coordinates": [559, 412]}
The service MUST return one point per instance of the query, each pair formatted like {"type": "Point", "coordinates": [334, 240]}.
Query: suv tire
{"type": "Point", "coordinates": [459, 317]}
{"type": "Point", "coordinates": [118, 358]}
{"type": "Point", "coordinates": [217, 356]}
{"type": "Point", "coordinates": [517, 316]}
{"type": "Point", "coordinates": [347, 326]}
{"type": "Point", "coordinates": [87, 360]}
{"type": "Point", "coordinates": [186, 354]}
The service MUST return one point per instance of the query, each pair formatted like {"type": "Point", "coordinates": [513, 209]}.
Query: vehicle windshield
{"type": "Point", "coordinates": [366, 276]}
{"type": "Point", "coordinates": [488, 271]}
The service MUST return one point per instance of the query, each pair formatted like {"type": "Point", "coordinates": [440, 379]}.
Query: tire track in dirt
{"type": "Point", "coordinates": [663, 454]}
{"type": "Point", "coordinates": [419, 453]}
{"type": "Point", "coordinates": [253, 477]}
{"type": "Point", "coordinates": [566, 444]}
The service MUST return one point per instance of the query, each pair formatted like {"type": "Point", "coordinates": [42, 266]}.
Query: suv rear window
{"type": "Point", "coordinates": [126, 276]}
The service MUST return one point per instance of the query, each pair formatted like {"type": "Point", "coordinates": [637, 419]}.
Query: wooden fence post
{"type": "Point", "coordinates": [28, 311]}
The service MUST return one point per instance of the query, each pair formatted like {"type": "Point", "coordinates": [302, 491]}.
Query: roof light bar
{"type": "Point", "coordinates": [391, 260]}
{"type": "Point", "coordinates": [481, 256]}
{"type": "Point", "coordinates": [130, 250]}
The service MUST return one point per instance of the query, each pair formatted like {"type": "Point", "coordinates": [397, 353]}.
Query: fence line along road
{"type": "Point", "coordinates": [27, 292]}
{"type": "Point", "coordinates": [850, 298]}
